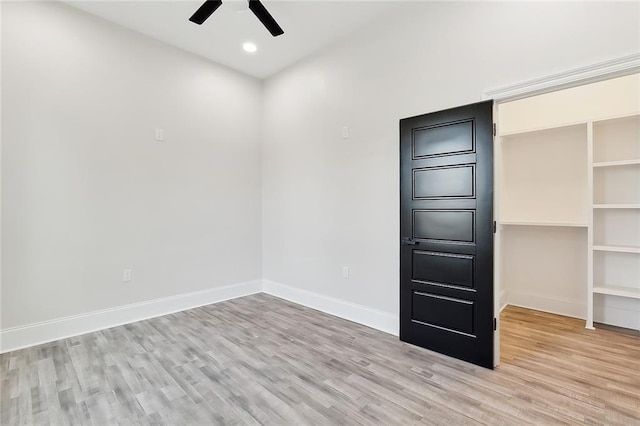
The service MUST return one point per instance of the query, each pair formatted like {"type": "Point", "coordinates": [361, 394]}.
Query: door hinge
{"type": "Point", "coordinates": [494, 226]}
{"type": "Point", "coordinates": [495, 132]}
{"type": "Point", "coordinates": [495, 324]}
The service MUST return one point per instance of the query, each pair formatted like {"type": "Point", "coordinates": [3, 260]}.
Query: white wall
{"type": "Point", "coordinates": [87, 192]}
{"type": "Point", "coordinates": [328, 203]}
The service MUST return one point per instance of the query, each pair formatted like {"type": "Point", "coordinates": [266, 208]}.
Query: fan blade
{"type": "Point", "coordinates": [204, 11]}
{"type": "Point", "coordinates": [265, 17]}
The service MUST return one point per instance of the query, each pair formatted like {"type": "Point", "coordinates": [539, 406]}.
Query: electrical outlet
{"type": "Point", "coordinates": [345, 272]}
{"type": "Point", "coordinates": [126, 275]}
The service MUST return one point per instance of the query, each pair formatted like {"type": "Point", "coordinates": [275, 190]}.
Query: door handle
{"type": "Point", "coordinates": [407, 241]}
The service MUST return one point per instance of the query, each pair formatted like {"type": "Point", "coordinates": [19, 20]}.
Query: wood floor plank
{"type": "Point", "coordinates": [261, 360]}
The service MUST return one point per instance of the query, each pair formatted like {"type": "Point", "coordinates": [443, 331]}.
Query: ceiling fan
{"type": "Point", "coordinates": [258, 9]}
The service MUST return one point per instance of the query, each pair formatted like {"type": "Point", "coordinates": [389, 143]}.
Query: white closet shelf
{"type": "Point", "coordinates": [618, 249]}
{"type": "Point", "coordinates": [616, 206]}
{"type": "Point", "coordinates": [616, 163]}
{"type": "Point", "coordinates": [543, 129]}
{"type": "Point", "coordinates": [617, 291]}
{"type": "Point", "coordinates": [542, 223]}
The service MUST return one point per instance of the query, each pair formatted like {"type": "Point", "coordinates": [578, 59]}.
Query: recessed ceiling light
{"type": "Point", "coordinates": [249, 47]}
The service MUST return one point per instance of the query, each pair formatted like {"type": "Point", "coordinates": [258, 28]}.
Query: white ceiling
{"type": "Point", "coordinates": [308, 26]}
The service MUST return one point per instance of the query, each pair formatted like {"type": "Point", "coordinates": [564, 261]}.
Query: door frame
{"type": "Point", "coordinates": [617, 67]}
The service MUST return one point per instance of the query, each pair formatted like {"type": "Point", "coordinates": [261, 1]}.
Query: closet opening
{"type": "Point", "coordinates": [567, 207]}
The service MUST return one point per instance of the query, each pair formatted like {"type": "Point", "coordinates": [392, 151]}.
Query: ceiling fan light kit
{"type": "Point", "coordinates": [209, 6]}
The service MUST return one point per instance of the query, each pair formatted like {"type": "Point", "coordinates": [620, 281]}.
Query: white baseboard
{"type": "Point", "coordinates": [625, 318]}
{"type": "Point", "coordinates": [373, 318]}
{"type": "Point", "coordinates": [606, 313]}
{"type": "Point", "coordinates": [35, 334]}
{"type": "Point", "coordinates": [553, 305]}
{"type": "Point", "coordinates": [47, 331]}
{"type": "Point", "coordinates": [621, 312]}
{"type": "Point", "coordinates": [503, 299]}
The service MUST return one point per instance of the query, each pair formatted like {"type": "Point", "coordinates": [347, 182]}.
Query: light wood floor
{"type": "Point", "coordinates": [261, 360]}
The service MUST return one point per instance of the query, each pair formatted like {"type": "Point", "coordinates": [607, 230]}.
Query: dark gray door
{"type": "Point", "coordinates": [446, 230]}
